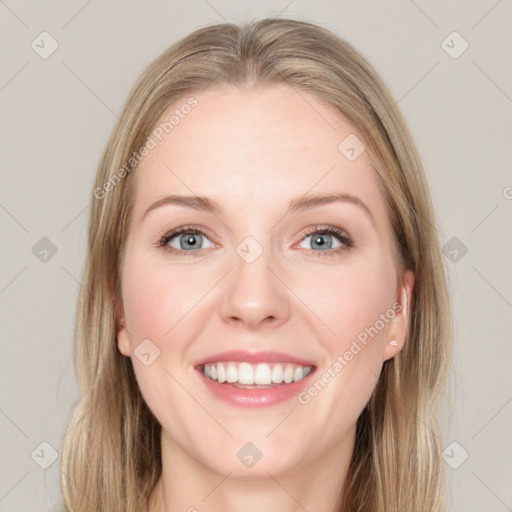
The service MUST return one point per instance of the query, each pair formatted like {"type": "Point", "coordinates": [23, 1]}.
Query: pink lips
{"type": "Point", "coordinates": [256, 357]}
{"type": "Point", "coordinates": [252, 397]}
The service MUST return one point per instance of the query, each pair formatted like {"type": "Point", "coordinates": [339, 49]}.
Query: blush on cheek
{"type": "Point", "coordinates": [346, 302]}
{"type": "Point", "coordinates": [160, 304]}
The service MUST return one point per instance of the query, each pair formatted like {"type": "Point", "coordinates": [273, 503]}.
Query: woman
{"type": "Point", "coordinates": [264, 321]}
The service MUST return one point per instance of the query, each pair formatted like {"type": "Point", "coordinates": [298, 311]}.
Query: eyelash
{"type": "Point", "coordinates": [186, 230]}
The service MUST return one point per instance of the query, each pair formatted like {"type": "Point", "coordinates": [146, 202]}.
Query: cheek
{"type": "Point", "coordinates": [156, 299]}
{"type": "Point", "coordinates": [348, 300]}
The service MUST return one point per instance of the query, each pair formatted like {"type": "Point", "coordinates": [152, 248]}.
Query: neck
{"type": "Point", "coordinates": [187, 485]}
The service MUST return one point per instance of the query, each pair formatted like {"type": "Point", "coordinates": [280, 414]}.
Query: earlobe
{"type": "Point", "coordinates": [397, 332]}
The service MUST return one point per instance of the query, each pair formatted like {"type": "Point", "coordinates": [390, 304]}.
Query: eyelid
{"type": "Point", "coordinates": [326, 228]}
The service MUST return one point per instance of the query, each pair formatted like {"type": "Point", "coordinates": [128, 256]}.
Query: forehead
{"type": "Point", "coordinates": [244, 147]}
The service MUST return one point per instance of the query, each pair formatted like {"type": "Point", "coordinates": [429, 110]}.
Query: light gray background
{"type": "Point", "coordinates": [57, 113]}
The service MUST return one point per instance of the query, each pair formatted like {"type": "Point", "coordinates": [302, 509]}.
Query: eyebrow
{"type": "Point", "coordinates": [297, 204]}
{"type": "Point", "coordinates": [307, 202]}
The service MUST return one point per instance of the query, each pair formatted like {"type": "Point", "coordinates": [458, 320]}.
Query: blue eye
{"type": "Point", "coordinates": [322, 239]}
{"type": "Point", "coordinates": [188, 240]}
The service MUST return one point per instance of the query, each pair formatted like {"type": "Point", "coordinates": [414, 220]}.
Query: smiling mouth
{"type": "Point", "coordinates": [254, 376]}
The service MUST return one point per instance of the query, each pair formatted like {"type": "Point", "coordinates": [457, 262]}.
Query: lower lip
{"type": "Point", "coordinates": [246, 397]}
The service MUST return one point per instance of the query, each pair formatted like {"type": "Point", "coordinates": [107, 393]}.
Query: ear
{"type": "Point", "coordinates": [123, 341]}
{"type": "Point", "coordinates": [397, 327]}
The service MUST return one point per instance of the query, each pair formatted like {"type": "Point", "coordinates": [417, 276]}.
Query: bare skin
{"type": "Point", "coordinates": [308, 295]}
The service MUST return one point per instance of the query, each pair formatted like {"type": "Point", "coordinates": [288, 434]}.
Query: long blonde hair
{"type": "Point", "coordinates": [111, 457]}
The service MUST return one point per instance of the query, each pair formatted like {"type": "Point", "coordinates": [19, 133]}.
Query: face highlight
{"type": "Point", "coordinates": [253, 235]}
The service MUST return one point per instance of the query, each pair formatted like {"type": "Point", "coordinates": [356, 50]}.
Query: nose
{"type": "Point", "coordinates": [255, 294]}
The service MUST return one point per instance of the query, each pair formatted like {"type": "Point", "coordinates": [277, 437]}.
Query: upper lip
{"type": "Point", "coordinates": [255, 358]}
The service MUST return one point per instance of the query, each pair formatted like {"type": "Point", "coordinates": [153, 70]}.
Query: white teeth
{"type": "Point", "coordinates": [221, 372]}
{"type": "Point", "coordinates": [288, 374]}
{"type": "Point", "coordinates": [245, 374]}
{"type": "Point", "coordinates": [232, 373]}
{"type": "Point", "coordinates": [298, 374]}
{"type": "Point", "coordinates": [277, 374]}
{"type": "Point", "coordinates": [263, 374]}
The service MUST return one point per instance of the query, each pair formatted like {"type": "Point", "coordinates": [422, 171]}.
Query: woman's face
{"type": "Point", "coordinates": [259, 287]}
